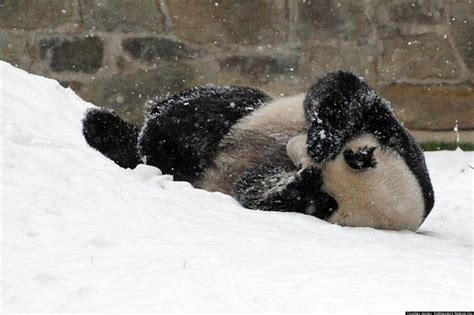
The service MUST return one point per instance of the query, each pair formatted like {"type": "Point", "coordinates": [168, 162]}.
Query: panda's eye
{"type": "Point", "coordinates": [362, 159]}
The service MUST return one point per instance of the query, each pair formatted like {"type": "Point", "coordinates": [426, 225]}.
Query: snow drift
{"type": "Point", "coordinates": [81, 234]}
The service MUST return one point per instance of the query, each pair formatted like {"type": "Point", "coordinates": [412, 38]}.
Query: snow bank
{"type": "Point", "coordinates": [81, 234]}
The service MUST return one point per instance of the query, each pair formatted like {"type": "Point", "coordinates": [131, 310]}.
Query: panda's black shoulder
{"type": "Point", "coordinates": [182, 133]}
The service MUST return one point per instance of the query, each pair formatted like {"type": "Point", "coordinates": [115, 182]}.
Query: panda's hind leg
{"type": "Point", "coordinates": [106, 132]}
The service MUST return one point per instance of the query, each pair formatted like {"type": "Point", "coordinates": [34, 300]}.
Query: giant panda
{"type": "Point", "coordinates": [337, 152]}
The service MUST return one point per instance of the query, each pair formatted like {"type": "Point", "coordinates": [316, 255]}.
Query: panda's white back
{"type": "Point", "coordinates": [282, 117]}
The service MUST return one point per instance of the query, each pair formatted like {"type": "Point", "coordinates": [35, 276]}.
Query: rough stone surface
{"type": "Point", "coordinates": [27, 14]}
{"type": "Point", "coordinates": [126, 94]}
{"type": "Point", "coordinates": [14, 48]}
{"type": "Point", "coordinates": [320, 20]}
{"type": "Point", "coordinates": [113, 51]}
{"type": "Point", "coordinates": [428, 12]}
{"type": "Point", "coordinates": [149, 49]}
{"type": "Point", "coordinates": [261, 68]}
{"type": "Point", "coordinates": [360, 59]}
{"type": "Point", "coordinates": [432, 107]}
{"type": "Point", "coordinates": [409, 17]}
{"type": "Point", "coordinates": [73, 54]}
{"type": "Point", "coordinates": [276, 74]}
{"type": "Point", "coordinates": [221, 22]}
{"type": "Point", "coordinates": [122, 15]}
{"type": "Point", "coordinates": [418, 58]}
{"type": "Point", "coordinates": [462, 28]}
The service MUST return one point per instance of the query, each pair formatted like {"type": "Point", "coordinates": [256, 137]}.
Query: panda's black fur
{"type": "Point", "coordinates": [182, 133]}
{"type": "Point", "coordinates": [201, 136]}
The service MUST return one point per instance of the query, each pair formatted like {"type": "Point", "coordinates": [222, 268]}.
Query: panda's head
{"type": "Point", "coordinates": [371, 165]}
{"type": "Point", "coordinates": [373, 187]}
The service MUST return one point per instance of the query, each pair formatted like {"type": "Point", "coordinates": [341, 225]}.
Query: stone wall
{"type": "Point", "coordinates": [118, 53]}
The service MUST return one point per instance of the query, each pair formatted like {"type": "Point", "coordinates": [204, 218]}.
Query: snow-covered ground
{"type": "Point", "coordinates": [81, 234]}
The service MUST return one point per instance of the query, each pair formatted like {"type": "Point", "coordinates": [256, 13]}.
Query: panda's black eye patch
{"type": "Point", "coordinates": [362, 159]}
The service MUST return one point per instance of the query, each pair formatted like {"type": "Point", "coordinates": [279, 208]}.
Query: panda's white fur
{"type": "Point", "coordinates": [279, 118]}
{"type": "Point", "coordinates": [255, 139]}
{"type": "Point", "coordinates": [392, 198]}
{"type": "Point", "coordinates": [296, 150]}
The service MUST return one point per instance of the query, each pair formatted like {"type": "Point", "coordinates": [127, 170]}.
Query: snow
{"type": "Point", "coordinates": [80, 234]}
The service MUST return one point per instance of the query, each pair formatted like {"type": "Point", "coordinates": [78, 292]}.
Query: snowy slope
{"type": "Point", "coordinates": [81, 234]}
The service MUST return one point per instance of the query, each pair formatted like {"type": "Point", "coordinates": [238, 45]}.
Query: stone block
{"type": "Point", "coordinates": [126, 94]}
{"type": "Point", "coordinates": [151, 49]}
{"type": "Point", "coordinates": [291, 73]}
{"type": "Point", "coordinates": [14, 48]}
{"type": "Point", "coordinates": [360, 59]}
{"type": "Point", "coordinates": [276, 74]}
{"type": "Point", "coordinates": [322, 20]}
{"type": "Point", "coordinates": [421, 57]}
{"type": "Point", "coordinates": [432, 107]}
{"type": "Point", "coordinates": [27, 14]}
{"type": "Point", "coordinates": [409, 17]}
{"type": "Point", "coordinates": [221, 22]}
{"type": "Point", "coordinates": [462, 28]}
{"type": "Point", "coordinates": [77, 54]}
{"type": "Point", "coordinates": [122, 15]}
{"type": "Point", "coordinates": [260, 68]}
{"type": "Point", "coordinates": [424, 12]}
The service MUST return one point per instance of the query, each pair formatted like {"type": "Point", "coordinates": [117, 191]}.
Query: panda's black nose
{"type": "Point", "coordinates": [362, 159]}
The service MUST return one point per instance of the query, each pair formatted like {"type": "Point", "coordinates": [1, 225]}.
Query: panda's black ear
{"type": "Point", "coordinates": [334, 111]}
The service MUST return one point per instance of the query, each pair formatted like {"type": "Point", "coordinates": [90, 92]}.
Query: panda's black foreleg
{"type": "Point", "coordinates": [272, 188]}
{"type": "Point", "coordinates": [334, 110]}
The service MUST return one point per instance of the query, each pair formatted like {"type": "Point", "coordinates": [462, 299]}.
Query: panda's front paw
{"type": "Point", "coordinates": [308, 180]}
{"type": "Point", "coordinates": [324, 143]}
{"type": "Point", "coordinates": [321, 149]}
{"type": "Point", "coordinates": [362, 159]}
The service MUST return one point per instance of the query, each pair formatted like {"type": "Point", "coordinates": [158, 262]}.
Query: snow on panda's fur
{"type": "Point", "coordinates": [337, 153]}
